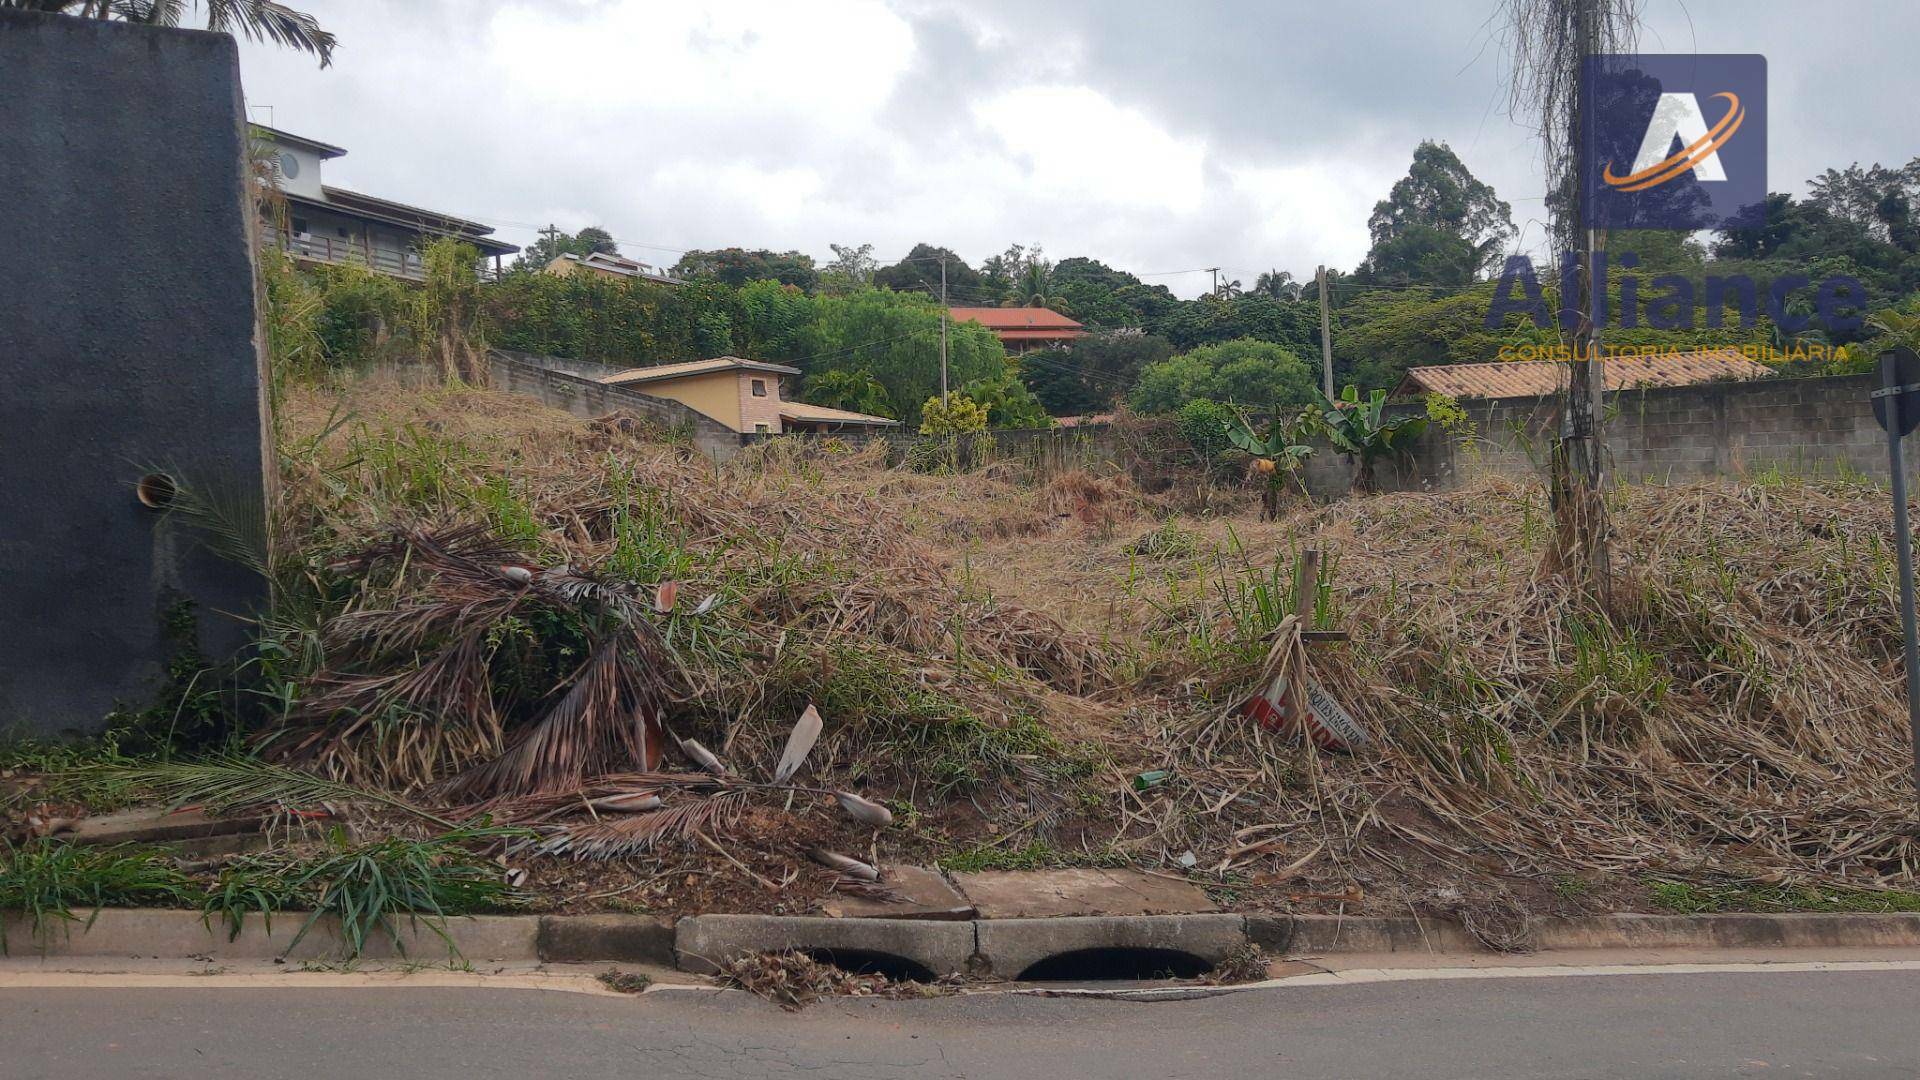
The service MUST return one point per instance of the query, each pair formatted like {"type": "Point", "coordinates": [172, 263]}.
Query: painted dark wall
{"type": "Point", "coordinates": [127, 346]}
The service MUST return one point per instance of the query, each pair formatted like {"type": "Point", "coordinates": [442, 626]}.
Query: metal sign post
{"type": "Point", "coordinates": [1896, 405]}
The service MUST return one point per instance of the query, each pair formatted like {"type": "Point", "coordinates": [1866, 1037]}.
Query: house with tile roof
{"type": "Point", "coordinates": [1543, 378]}
{"type": "Point", "coordinates": [747, 396]}
{"type": "Point", "coordinates": [602, 264]}
{"type": "Point", "coordinates": [1022, 328]}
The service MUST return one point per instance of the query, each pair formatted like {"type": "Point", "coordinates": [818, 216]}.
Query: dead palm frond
{"type": "Point", "coordinates": [615, 837]}
{"type": "Point", "coordinates": [418, 692]}
{"type": "Point", "coordinates": [233, 782]}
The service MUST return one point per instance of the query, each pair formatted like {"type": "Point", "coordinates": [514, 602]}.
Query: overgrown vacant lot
{"type": "Point", "coordinates": [998, 661]}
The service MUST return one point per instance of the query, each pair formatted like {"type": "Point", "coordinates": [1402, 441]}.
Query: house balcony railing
{"type": "Point", "coordinates": [326, 249]}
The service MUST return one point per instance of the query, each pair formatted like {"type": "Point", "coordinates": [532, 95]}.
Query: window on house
{"type": "Point", "coordinates": [342, 232]}
{"type": "Point", "coordinates": [759, 388]}
{"type": "Point", "coordinates": [300, 225]}
{"type": "Point", "coordinates": [762, 429]}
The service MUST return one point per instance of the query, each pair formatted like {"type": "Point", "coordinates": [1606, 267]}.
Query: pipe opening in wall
{"type": "Point", "coordinates": [1089, 965]}
{"type": "Point", "coordinates": [156, 491]}
{"type": "Point", "coordinates": [867, 962]}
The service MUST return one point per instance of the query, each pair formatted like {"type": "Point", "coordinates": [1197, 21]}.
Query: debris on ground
{"type": "Point", "coordinates": [793, 980]}
{"type": "Point", "coordinates": [624, 982]}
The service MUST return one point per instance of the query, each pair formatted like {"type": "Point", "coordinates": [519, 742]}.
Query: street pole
{"type": "Point", "coordinates": [943, 332]}
{"type": "Point", "coordinates": [1326, 336]}
{"type": "Point", "coordinates": [1898, 405]}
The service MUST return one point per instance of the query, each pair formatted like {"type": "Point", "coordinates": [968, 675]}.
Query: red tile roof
{"type": "Point", "coordinates": [1540, 378]}
{"type": "Point", "coordinates": [1015, 318]}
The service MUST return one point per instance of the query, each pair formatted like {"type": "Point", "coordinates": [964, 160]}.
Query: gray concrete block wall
{"type": "Point", "coordinates": [1814, 427]}
{"type": "Point", "coordinates": [127, 347]}
{"type": "Point", "coordinates": [570, 385]}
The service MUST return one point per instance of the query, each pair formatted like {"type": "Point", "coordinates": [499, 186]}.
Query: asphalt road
{"type": "Point", "coordinates": [1828, 1024]}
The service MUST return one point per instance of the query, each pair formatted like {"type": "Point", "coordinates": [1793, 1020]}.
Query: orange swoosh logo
{"type": "Point", "coordinates": [1684, 161]}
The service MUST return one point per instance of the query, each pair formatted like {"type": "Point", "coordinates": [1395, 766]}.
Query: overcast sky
{"type": "Point", "coordinates": [1155, 136]}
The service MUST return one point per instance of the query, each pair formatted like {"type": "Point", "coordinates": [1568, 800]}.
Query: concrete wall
{"type": "Point", "coordinates": [571, 385]}
{"type": "Point", "coordinates": [1805, 427]}
{"type": "Point", "coordinates": [127, 347]}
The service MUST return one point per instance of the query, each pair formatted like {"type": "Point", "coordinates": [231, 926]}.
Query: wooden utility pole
{"type": "Point", "coordinates": [1326, 336]}
{"type": "Point", "coordinates": [1215, 271]}
{"type": "Point", "coordinates": [1580, 509]}
{"type": "Point", "coordinates": [943, 331]}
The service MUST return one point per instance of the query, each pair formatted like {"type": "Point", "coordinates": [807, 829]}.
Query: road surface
{"type": "Point", "coordinates": [1856, 1024]}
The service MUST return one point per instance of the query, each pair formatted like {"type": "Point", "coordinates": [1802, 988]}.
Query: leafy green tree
{"type": "Point", "coordinates": [739, 267]}
{"type": "Point", "coordinates": [1258, 374]}
{"type": "Point", "coordinates": [852, 268]}
{"type": "Point", "coordinates": [1439, 225]}
{"type": "Point", "coordinates": [857, 391]}
{"type": "Point", "coordinates": [258, 20]}
{"type": "Point", "coordinates": [1092, 373]}
{"type": "Point", "coordinates": [920, 272]}
{"type": "Point", "coordinates": [1361, 429]}
{"type": "Point", "coordinates": [1277, 452]}
{"type": "Point", "coordinates": [959, 415]}
{"type": "Point", "coordinates": [895, 337]}
{"type": "Point", "coordinates": [1008, 402]}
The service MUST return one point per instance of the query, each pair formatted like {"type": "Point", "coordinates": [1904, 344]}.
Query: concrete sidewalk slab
{"type": "Point", "coordinates": [926, 894]}
{"type": "Point", "coordinates": [1013, 894]}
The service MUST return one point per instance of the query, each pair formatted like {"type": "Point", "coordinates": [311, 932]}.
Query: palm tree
{"type": "Point", "coordinates": [1035, 288]}
{"type": "Point", "coordinates": [259, 20]}
{"type": "Point", "coordinates": [1278, 284]}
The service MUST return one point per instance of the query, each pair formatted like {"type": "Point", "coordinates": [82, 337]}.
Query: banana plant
{"type": "Point", "coordinates": [1277, 455]}
{"type": "Point", "coordinates": [1361, 430]}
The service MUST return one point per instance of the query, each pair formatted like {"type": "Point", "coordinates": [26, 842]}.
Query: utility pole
{"type": "Point", "coordinates": [943, 331]}
{"type": "Point", "coordinates": [551, 233]}
{"type": "Point", "coordinates": [1215, 271]}
{"type": "Point", "coordinates": [1326, 336]}
{"type": "Point", "coordinates": [1581, 510]}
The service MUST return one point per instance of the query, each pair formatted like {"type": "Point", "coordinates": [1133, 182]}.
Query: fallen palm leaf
{"type": "Point", "coordinates": [865, 811]}
{"type": "Point", "coordinates": [703, 757]}
{"type": "Point", "coordinates": [631, 802]}
{"type": "Point", "coordinates": [806, 732]}
{"type": "Point", "coordinates": [851, 867]}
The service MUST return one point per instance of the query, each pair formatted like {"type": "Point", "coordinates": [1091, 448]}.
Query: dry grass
{"type": "Point", "coordinates": [1737, 718]}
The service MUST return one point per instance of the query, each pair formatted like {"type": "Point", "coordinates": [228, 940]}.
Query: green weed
{"type": "Point", "coordinates": [46, 880]}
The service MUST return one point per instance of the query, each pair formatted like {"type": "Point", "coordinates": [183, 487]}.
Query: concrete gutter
{"type": "Point", "coordinates": [998, 947]}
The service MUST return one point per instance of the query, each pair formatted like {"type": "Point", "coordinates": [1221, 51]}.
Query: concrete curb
{"type": "Point", "coordinates": [704, 942]}
{"type": "Point", "coordinates": [1003, 947]}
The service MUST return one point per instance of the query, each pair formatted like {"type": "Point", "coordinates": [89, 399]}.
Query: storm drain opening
{"type": "Point", "coordinates": [868, 962]}
{"type": "Point", "coordinates": [1093, 965]}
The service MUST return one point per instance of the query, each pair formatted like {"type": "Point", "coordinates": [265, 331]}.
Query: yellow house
{"type": "Point", "coordinates": [745, 395]}
{"type": "Point", "coordinates": [600, 264]}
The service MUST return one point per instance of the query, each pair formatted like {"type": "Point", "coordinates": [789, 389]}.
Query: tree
{"type": "Point", "coordinates": [553, 243]}
{"type": "Point", "coordinates": [1093, 373]}
{"type": "Point", "coordinates": [895, 337]}
{"type": "Point", "coordinates": [1008, 402]}
{"type": "Point", "coordinates": [739, 266]}
{"type": "Point", "coordinates": [1439, 225]}
{"type": "Point", "coordinates": [1363, 431]}
{"type": "Point", "coordinates": [920, 272]}
{"type": "Point", "coordinates": [1278, 284]}
{"type": "Point", "coordinates": [958, 415]}
{"type": "Point", "coordinates": [1277, 453]}
{"type": "Point", "coordinates": [856, 391]}
{"type": "Point", "coordinates": [852, 268]}
{"type": "Point", "coordinates": [1256, 374]}
{"type": "Point", "coordinates": [258, 20]}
